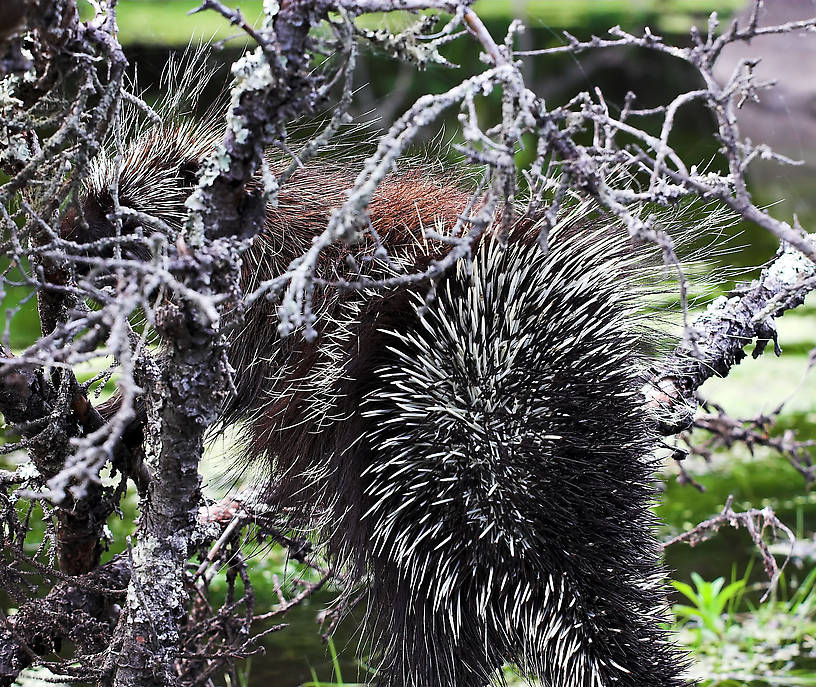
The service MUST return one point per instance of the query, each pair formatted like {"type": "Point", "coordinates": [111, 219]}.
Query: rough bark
{"type": "Point", "coordinates": [273, 85]}
{"type": "Point", "coordinates": [81, 611]}
{"type": "Point", "coordinates": [717, 338]}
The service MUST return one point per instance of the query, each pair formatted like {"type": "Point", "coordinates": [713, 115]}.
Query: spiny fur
{"type": "Point", "coordinates": [159, 162]}
{"type": "Point", "coordinates": [482, 462]}
{"type": "Point", "coordinates": [509, 494]}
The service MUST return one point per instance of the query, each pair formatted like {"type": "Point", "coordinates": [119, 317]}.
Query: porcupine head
{"type": "Point", "coordinates": [480, 461]}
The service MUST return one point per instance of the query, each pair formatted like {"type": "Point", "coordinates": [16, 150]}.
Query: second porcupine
{"type": "Point", "coordinates": [482, 462]}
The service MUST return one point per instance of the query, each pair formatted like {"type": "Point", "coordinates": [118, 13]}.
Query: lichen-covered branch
{"type": "Point", "coordinates": [57, 411]}
{"type": "Point", "coordinates": [716, 339]}
{"type": "Point", "coordinates": [81, 610]}
{"type": "Point", "coordinates": [226, 210]}
{"type": "Point", "coordinates": [756, 521]}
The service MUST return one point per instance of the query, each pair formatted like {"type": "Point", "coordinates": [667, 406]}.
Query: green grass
{"type": "Point", "coordinates": [578, 13]}
{"type": "Point", "coordinates": [168, 23]}
{"type": "Point", "coordinates": [709, 601]}
{"type": "Point", "coordinates": [765, 645]}
{"type": "Point", "coordinates": [162, 22]}
{"type": "Point", "coordinates": [338, 675]}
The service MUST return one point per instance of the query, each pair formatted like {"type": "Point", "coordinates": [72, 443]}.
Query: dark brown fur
{"type": "Point", "coordinates": [402, 205]}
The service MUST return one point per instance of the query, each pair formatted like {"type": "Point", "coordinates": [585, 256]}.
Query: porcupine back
{"type": "Point", "coordinates": [480, 462]}
{"type": "Point", "coordinates": [483, 462]}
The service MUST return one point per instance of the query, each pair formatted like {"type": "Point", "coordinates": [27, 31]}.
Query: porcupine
{"type": "Point", "coordinates": [481, 461]}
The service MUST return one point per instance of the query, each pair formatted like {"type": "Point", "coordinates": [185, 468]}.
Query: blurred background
{"type": "Point", "coordinates": [734, 643]}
